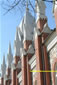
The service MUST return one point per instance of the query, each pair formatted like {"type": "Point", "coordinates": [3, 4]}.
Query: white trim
{"type": "Point", "coordinates": [32, 62]}
{"type": "Point", "coordinates": [32, 59]}
{"type": "Point", "coordinates": [20, 76]}
{"type": "Point", "coordinates": [52, 43]}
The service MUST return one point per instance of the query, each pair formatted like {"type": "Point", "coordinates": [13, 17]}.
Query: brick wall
{"type": "Point", "coordinates": [53, 60]}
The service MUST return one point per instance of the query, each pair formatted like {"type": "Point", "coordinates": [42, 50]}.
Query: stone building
{"type": "Point", "coordinates": [35, 49]}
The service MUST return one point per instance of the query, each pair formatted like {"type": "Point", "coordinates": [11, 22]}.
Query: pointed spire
{"type": "Point", "coordinates": [9, 56]}
{"type": "Point", "coordinates": [17, 44]}
{"type": "Point", "coordinates": [28, 25]}
{"type": "Point", "coordinates": [40, 9]}
{"type": "Point", "coordinates": [9, 49]}
{"type": "Point", "coordinates": [4, 59]}
{"type": "Point", "coordinates": [3, 67]}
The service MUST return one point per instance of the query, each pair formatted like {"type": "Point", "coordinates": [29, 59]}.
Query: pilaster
{"type": "Point", "coordinates": [39, 65]}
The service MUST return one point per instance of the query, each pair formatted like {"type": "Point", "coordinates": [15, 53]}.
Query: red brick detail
{"type": "Point", "coordinates": [24, 70]}
{"type": "Point", "coordinates": [14, 77]}
{"type": "Point", "coordinates": [26, 44]}
{"type": "Point", "coordinates": [17, 58]}
{"type": "Point", "coordinates": [40, 23]}
{"type": "Point", "coordinates": [2, 81]}
{"type": "Point", "coordinates": [46, 61]}
{"type": "Point", "coordinates": [17, 80]}
{"type": "Point", "coordinates": [55, 13]}
{"type": "Point", "coordinates": [7, 82]}
{"type": "Point", "coordinates": [39, 65]}
{"type": "Point", "coordinates": [29, 74]}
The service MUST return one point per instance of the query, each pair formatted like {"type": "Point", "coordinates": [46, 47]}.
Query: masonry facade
{"type": "Point", "coordinates": [35, 49]}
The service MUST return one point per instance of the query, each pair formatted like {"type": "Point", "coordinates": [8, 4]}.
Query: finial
{"type": "Point", "coordinates": [27, 5]}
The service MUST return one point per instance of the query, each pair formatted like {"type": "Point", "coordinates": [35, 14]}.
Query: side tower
{"type": "Point", "coordinates": [15, 65]}
{"type": "Point", "coordinates": [3, 70]}
{"type": "Point", "coordinates": [41, 32]}
{"type": "Point", "coordinates": [9, 62]}
{"type": "Point", "coordinates": [27, 27]}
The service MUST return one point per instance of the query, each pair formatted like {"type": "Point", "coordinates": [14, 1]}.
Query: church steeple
{"type": "Point", "coordinates": [3, 67]}
{"type": "Point", "coordinates": [9, 56]}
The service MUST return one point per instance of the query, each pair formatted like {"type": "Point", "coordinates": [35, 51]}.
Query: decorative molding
{"type": "Point", "coordinates": [36, 32]}
{"type": "Point", "coordinates": [46, 29]}
{"type": "Point", "coordinates": [32, 62]}
{"type": "Point", "coordinates": [52, 43]}
{"type": "Point", "coordinates": [23, 52]}
{"type": "Point", "coordinates": [20, 76]}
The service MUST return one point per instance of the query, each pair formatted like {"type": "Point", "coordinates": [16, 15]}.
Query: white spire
{"type": "Point", "coordinates": [3, 67]}
{"type": "Point", "coordinates": [40, 9]}
{"type": "Point", "coordinates": [9, 56]}
{"type": "Point", "coordinates": [17, 44]}
{"type": "Point", "coordinates": [29, 23]}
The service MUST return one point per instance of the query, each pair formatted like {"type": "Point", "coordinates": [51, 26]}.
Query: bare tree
{"type": "Point", "coordinates": [9, 5]}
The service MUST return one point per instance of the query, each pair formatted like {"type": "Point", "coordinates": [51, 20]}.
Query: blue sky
{"type": "Point", "coordinates": [8, 24]}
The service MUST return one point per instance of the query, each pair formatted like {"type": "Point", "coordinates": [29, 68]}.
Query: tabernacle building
{"type": "Point", "coordinates": [35, 49]}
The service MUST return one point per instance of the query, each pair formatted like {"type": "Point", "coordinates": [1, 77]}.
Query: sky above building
{"type": "Point", "coordinates": [8, 24]}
